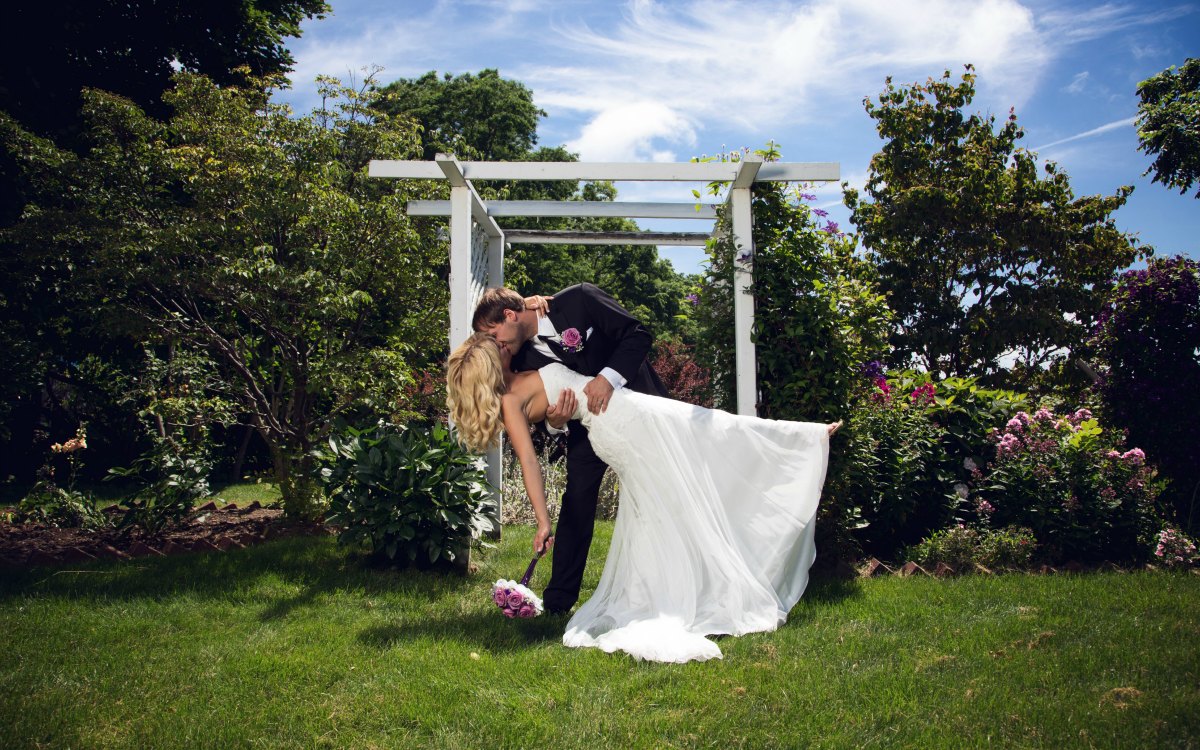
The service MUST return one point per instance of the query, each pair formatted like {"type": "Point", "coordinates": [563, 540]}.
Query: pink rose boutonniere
{"type": "Point", "coordinates": [572, 340]}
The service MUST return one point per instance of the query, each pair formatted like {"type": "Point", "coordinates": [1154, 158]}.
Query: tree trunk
{"type": "Point", "coordinates": [241, 454]}
{"type": "Point", "coordinates": [303, 499]}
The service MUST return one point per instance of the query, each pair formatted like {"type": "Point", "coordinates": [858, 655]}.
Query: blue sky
{"type": "Point", "coordinates": [668, 80]}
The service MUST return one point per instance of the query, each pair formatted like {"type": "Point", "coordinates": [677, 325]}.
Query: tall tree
{"type": "Point", "coordinates": [480, 117]}
{"type": "Point", "coordinates": [255, 238]}
{"type": "Point", "coordinates": [132, 47]}
{"type": "Point", "coordinates": [1169, 125]}
{"type": "Point", "coordinates": [981, 258]}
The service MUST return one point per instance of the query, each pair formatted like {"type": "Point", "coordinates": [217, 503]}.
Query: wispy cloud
{"type": "Point", "coordinates": [758, 66]}
{"type": "Point", "coordinates": [1077, 83]}
{"type": "Point", "coordinates": [1118, 124]}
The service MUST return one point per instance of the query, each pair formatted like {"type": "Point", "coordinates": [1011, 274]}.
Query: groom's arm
{"type": "Point", "coordinates": [631, 339]}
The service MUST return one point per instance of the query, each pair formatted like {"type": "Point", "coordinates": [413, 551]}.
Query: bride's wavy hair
{"type": "Point", "coordinates": [474, 387]}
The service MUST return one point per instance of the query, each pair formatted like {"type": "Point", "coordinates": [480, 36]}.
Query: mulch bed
{"type": "Point", "coordinates": [208, 529]}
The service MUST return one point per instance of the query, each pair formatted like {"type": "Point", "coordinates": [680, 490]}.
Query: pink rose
{"type": "Point", "coordinates": [515, 599]}
{"type": "Point", "coordinates": [510, 612]}
{"type": "Point", "coordinates": [499, 596]}
{"type": "Point", "coordinates": [572, 340]}
{"type": "Point", "coordinates": [526, 610]}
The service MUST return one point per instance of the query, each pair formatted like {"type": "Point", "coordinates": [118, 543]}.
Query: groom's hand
{"type": "Point", "coordinates": [598, 393]}
{"type": "Point", "coordinates": [559, 413]}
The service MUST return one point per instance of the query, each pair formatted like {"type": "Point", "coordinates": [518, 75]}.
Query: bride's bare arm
{"type": "Point", "coordinates": [517, 427]}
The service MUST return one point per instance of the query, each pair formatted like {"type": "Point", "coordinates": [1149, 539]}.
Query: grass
{"type": "Point", "coordinates": [292, 644]}
{"type": "Point", "coordinates": [244, 493]}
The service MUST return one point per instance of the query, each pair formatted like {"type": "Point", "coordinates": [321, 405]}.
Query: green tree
{"type": "Point", "coordinates": [981, 258]}
{"type": "Point", "coordinates": [238, 231]}
{"type": "Point", "coordinates": [131, 47]}
{"type": "Point", "coordinates": [1169, 125]}
{"type": "Point", "coordinates": [478, 117]}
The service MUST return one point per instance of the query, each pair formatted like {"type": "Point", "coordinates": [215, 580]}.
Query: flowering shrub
{"type": "Point", "coordinates": [888, 474]}
{"type": "Point", "coordinates": [1067, 480]}
{"type": "Point", "coordinates": [960, 546]}
{"type": "Point", "coordinates": [1175, 549]}
{"type": "Point", "coordinates": [1147, 342]}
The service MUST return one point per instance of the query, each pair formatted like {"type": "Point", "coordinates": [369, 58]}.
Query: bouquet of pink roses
{"type": "Point", "coordinates": [515, 599]}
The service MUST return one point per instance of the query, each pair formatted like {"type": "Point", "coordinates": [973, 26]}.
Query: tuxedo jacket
{"type": "Point", "coordinates": [612, 338]}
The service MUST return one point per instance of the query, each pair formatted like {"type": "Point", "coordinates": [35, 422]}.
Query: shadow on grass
{"type": "Point", "coordinates": [314, 564]}
{"type": "Point", "coordinates": [489, 631]}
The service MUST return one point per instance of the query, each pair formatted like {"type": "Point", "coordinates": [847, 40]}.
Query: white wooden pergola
{"type": "Point", "coordinates": [477, 240]}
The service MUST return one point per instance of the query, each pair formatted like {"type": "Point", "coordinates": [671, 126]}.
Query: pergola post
{"type": "Point", "coordinates": [743, 280]}
{"type": "Point", "coordinates": [476, 262]}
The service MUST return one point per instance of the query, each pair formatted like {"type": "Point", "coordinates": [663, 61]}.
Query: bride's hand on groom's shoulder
{"type": "Point", "coordinates": [540, 303]}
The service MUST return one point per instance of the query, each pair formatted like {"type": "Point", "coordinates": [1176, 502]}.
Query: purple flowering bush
{"type": "Point", "coordinates": [1147, 344]}
{"type": "Point", "coordinates": [1070, 482]}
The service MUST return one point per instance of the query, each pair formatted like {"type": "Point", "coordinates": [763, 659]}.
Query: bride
{"type": "Point", "coordinates": [714, 529]}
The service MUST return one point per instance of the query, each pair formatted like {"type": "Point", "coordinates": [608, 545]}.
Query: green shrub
{"type": "Point", "coordinates": [407, 494]}
{"type": "Point", "coordinates": [51, 505]}
{"type": "Point", "coordinates": [962, 546]}
{"type": "Point", "coordinates": [171, 479]}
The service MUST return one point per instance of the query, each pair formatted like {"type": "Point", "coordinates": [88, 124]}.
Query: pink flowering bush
{"type": "Point", "coordinates": [1070, 482]}
{"type": "Point", "coordinates": [1174, 549]}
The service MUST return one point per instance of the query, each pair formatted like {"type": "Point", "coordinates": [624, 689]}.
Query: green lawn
{"type": "Point", "coordinates": [291, 644]}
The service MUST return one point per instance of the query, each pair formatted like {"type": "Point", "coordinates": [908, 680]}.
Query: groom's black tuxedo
{"type": "Point", "coordinates": [616, 340]}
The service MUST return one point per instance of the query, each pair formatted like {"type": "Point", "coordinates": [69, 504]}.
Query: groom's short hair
{"type": "Point", "coordinates": [491, 307]}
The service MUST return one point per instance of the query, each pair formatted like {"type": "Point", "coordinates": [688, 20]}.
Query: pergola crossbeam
{"type": "Point", "coordinates": [614, 171]}
{"type": "Point", "coordinates": [568, 237]}
{"type": "Point", "coordinates": [611, 209]}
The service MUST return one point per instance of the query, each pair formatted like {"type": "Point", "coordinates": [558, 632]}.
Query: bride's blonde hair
{"type": "Point", "coordinates": [474, 387]}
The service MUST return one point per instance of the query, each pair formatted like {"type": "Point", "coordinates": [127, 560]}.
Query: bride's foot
{"type": "Point", "coordinates": [834, 427]}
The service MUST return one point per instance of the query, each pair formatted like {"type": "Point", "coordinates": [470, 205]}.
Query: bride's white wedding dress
{"type": "Point", "coordinates": [714, 532]}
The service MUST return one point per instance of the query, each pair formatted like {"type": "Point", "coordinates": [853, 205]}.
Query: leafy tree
{"type": "Point", "coordinates": [255, 238]}
{"type": "Point", "coordinates": [1169, 125]}
{"type": "Point", "coordinates": [478, 117]}
{"type": "Point", "coordinates": [981, 258]}
{"type": "Point", "coordinates": [59, 366]}
{"type": "Point", "coordinates": [131, 47]}
{"type": "Point", "coordinates": [1148, 348]}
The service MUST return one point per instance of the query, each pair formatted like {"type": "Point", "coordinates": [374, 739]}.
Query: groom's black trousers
{"type": "Point", "coordinates": [576, 519]}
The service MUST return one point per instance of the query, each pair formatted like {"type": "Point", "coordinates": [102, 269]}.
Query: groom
{"type": "Point", "coordinates": [589, 332]}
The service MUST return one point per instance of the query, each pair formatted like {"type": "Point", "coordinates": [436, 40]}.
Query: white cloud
{"type": "Point", "coordinates": [1077, 83]}
{"type": "Point", "coordinates": [633, 132]}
